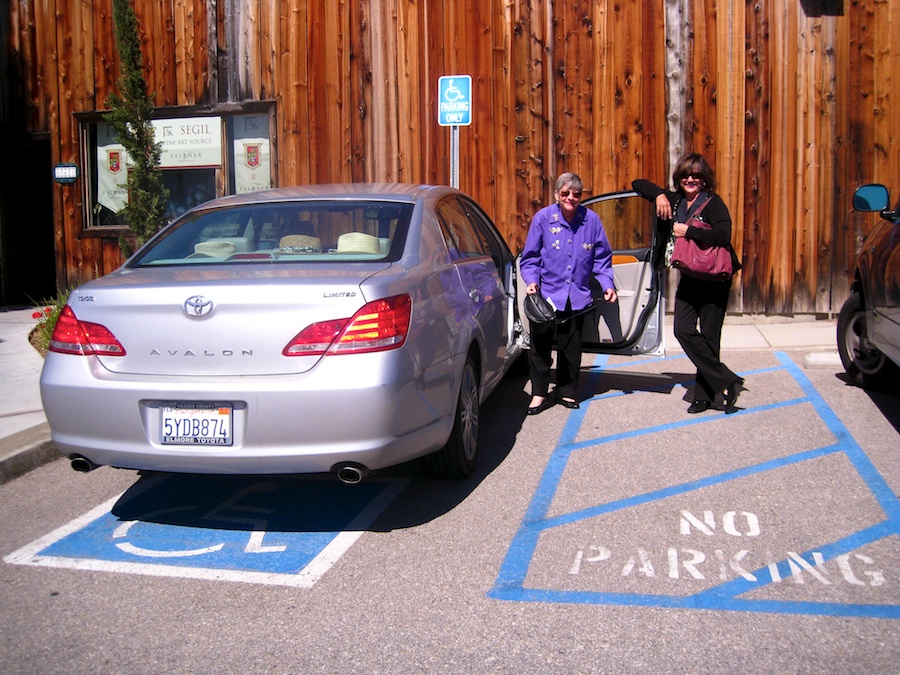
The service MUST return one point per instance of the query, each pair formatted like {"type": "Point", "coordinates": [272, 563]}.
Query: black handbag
{"type": "Point", "coordinates": [538, 310]}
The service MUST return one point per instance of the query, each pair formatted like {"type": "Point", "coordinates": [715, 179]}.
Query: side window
{"type": "Point", "coordinates": [486, 232]}
{"type": "Point", "coordinates": [627, 219]}
{"type": "Point", "coordinates": [462, 237]}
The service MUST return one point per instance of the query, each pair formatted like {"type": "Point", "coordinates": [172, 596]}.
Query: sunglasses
{"type": "Point", "coordinates": [695, 175]}
{"type": "Point", "coordinates": [566, 193]}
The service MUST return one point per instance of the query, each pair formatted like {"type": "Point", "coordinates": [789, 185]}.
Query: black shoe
{"type": "Point", "coordinates": [569, 403]}
{"type": "Point", "coordinates": [540, 407]}
{"type": "Point", "coordinates": [698, 407]}
{"type": "Point", "coordinates": [731, 395]}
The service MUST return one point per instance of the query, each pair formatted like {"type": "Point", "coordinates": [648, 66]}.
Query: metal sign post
{"type": "Point", "coordinates": [454, 111]}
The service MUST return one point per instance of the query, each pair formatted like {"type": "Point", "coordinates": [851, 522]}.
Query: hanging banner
{"type": "Point", "coordinates": [112, 170]}
{"type": "Point", "coordinates": [252, 154]}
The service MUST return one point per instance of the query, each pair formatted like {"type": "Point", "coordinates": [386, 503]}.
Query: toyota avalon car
{"type": "Point", "coordinates": [342, 328]}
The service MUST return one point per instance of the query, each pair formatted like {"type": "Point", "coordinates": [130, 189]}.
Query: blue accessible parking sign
{"type": "Point", "coordinates": [455, 100]}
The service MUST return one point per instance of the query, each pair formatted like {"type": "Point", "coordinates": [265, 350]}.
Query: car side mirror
{"type": "Point", "coordinates": [871, 197]}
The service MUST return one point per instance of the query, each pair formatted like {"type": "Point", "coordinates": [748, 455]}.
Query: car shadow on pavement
{"type": "Point", "coordinates": [320, 502]}
{"type": "Point", "coordinates": [427, 498]}
{"type": "Point", "coordinates": [885, 398]}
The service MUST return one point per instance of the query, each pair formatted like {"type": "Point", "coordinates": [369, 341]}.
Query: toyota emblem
{"type": "Point", "coordinates": [197, 305]}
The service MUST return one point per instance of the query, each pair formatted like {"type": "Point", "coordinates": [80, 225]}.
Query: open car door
{"type": "Point", "coordinates": [634, 324]}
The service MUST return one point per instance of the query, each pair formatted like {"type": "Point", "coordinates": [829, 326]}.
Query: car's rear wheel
{"type": "Point", "coordinates": [457, 458]}
{"type": "Point", "coordinates": [864, 363]}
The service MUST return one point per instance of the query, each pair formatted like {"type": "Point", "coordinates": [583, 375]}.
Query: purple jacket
{"type": "Point", "coordinates": [561, 258]}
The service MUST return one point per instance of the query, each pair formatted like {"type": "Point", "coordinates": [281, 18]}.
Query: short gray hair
{"type": "Point", "coordinates": [571, 180]}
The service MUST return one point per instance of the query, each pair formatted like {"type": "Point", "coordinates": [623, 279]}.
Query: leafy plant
{"type": "Point", "coordinates": [130, 117]}
{"type": "Point", "coordinates": [46, 313]}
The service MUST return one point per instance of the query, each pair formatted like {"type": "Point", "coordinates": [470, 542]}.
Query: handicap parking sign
{"type": "Point", "coordinates": [455, 100]}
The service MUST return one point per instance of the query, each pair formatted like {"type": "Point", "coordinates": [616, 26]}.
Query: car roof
{"type": "Point", "coordinates": [402, 192]}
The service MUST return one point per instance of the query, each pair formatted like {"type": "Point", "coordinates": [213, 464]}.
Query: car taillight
{"type": "Point", "coordinates": [378, 326]}
{"type": "Point", "coordinates": [71, 336]}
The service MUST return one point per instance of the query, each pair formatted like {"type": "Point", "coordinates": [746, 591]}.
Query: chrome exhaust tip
{"type": "Point", "coordinates": [350, 473]}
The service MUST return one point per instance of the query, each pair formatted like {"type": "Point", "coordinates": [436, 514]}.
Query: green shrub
{"type": "Point", "coordinates": [46, 313]}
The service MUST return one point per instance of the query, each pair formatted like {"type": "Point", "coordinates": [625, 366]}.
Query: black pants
{"type": "Point", "coordinates": [704, 302]}
{"type": "Point", "coordinates": [568, 352]}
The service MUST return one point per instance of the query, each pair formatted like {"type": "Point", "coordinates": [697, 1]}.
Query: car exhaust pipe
{"type": "Point", "coordinates": [83, 464]}
{"type": "Point", "coordinates": [350, 473]}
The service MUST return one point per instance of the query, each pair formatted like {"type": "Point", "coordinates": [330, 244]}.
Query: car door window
{"type": "Point", "coordinates": [459, 231]}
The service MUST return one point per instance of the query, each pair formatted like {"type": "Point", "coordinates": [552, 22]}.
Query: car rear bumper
{"type": "Point", "coordinates": [306, 423]}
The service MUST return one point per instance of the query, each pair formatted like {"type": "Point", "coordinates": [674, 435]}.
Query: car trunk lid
{"type": "Point", "coordinates": [217, 322]}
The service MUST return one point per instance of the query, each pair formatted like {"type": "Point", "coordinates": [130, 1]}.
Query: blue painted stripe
{"type": "Point", "coordinates": [725, 596]}
{"type": "Point", "coordinates": [867, 471]}
{"type": "Point", "coordinates": [674, 602]}
{"type": "Point", "coordinates": [665, 493]}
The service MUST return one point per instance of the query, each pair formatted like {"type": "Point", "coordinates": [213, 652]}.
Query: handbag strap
{"type": "Point", "coordinates": [700, 208]}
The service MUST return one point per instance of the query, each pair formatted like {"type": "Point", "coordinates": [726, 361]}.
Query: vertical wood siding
{"type": "Point", "coordinates": [793, 111]}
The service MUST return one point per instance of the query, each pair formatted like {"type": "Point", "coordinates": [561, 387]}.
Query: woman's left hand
{"type": "Point", "coordinates": [610, 295]}
{"type": "Point", "coordinates": [679, 229]}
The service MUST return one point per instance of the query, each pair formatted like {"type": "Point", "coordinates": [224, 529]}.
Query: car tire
{"type": "Point", "coordinates": [864, 363]}
{"type": "Point", "coordinates": [457, 459]}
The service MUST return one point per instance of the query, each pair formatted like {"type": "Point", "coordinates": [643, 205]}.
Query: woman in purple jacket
{"type": "Point", "coordinates": [565, 247]}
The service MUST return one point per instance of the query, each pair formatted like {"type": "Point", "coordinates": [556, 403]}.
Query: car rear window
{"type": "Point", "coordinates": [294, 232]}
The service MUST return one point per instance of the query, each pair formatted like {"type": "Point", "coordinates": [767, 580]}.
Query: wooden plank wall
{"type": "Point", "coordinates": [790, 101]}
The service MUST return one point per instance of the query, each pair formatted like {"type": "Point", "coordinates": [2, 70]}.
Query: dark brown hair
{"type": "Point", "coordinates": [693, 162]}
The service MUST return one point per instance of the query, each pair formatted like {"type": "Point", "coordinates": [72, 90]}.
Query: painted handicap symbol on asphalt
{"type": "Point", "coordinates": [839, 561]}
{"type": "Point", "coordinates": [282, 530]}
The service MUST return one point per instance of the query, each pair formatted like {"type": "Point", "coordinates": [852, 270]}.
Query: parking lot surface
{"type": "Point", "coordinates": [621, 537]}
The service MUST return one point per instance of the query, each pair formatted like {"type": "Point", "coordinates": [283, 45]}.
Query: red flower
{"type": "Point", "coordinates": [37, 315]}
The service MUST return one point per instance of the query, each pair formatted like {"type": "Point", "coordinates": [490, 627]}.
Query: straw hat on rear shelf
{"type": "Point", "coordinates": [300, 243]}
{"type": "Point", "coordinates": [214, 249]}
{"type": "Point", "coordinates": [358, 242]}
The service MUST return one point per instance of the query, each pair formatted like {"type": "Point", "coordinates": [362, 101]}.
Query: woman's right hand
{"type": "Point", "coordinates": [531, 289]}
{"type": "Point", "coordinates": [663, 207]}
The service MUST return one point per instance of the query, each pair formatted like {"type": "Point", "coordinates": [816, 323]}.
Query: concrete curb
{"type": "Point", "coordinates": [26, 450]}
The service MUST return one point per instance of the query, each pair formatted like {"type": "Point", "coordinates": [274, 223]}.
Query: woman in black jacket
{"type": "Point", "coordinates": [699, 300]}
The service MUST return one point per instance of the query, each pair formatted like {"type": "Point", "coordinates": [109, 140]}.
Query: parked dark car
{"type": "Point", "coordinates": [868, 331]}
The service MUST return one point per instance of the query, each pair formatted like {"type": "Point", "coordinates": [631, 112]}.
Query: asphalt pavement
{"type": "Point", "coordinates": [25, 435]}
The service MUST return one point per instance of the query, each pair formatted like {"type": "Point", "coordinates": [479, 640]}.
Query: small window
{"type": "Point", "coordinates": [203, 157]}
{"type": "Point", "coordinates": [461, 235]}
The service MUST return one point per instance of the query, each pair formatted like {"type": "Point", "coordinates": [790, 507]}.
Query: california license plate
{"type": "Point", "coordinates": [196, 423]}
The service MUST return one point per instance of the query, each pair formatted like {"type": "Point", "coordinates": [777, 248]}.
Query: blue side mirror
{"type": "Point", "coordinates": [872, 197]}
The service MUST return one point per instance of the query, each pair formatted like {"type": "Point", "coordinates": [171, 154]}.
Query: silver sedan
{"type": "Point", "coordinates": [339, 328]}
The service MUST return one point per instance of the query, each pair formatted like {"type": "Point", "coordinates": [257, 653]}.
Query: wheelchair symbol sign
{"type": "Point", "coordinates": [455, 100]}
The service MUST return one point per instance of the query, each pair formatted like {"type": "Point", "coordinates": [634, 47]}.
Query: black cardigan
{"type": "Point", "coordinates": [715, 214]}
